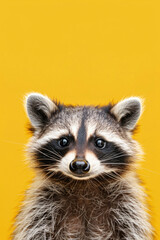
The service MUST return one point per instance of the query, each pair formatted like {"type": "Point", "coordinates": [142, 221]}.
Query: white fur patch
{"type": "Point", "coordinates": [65, 162]}
{"type": "Point", "coordinates": [74, 129]}
{"type": "Point", "coordinates": [90, 129]}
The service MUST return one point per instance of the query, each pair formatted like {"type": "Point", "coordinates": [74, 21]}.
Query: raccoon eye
{"type": "Point", "coordinates": [100, 143]}
{"type": "Point", "coordinates": [63, 142]}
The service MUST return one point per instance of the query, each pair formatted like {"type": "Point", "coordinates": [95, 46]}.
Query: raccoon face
{"type": "Point", "coordinates": [82, 142]}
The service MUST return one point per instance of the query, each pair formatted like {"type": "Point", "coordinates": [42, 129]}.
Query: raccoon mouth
{"type": "Point", "coordinates": [78, 176]}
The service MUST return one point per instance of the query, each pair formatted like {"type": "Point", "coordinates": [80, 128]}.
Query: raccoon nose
{"type": "Point", "coordinates": [79, 166]}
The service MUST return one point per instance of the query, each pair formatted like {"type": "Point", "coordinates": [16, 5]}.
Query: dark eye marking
{"type": "Point", "coordinates": [113, 156]}
{"type": "Point", "coordinates": [52, 152]}
{"type": "Point", "coordinates": [109, 153]}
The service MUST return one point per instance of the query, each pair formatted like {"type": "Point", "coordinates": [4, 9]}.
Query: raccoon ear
{"type": "Point", "coordinates": [39, 109]}
{"type": "Point", "coordinates": [127, 112]}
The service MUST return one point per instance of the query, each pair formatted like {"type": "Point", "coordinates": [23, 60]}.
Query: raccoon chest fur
{"type": "Point", "coordinates": [86, 220]}
{"type": "Point", "coordinates": [80, 213]}
{"type": "Point", "coordinates": [83, 212]}
{"type": "Point", "coordinates": [83, 215]}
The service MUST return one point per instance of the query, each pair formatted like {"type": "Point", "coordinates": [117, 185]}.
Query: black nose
{"type": "Point", "coordinates": [79, 166]}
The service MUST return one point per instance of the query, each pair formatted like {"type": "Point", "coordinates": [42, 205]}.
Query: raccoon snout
{"type": "Point", "coordinates": [79, 166]}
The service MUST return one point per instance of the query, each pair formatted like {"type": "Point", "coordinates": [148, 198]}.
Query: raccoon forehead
{"type": "Point", "coordinates": [57, 131]}
{"type": "Point", "coordinates": [66, 122]}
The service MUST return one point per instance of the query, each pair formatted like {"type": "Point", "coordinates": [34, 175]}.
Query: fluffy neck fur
{"type": "Point", "coordinates": [79, 210]}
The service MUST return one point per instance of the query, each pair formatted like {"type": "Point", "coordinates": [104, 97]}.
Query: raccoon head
{"type": "Point", "coordinates": [82, 142]}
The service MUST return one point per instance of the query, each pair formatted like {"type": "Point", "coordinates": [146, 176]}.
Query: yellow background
{"type": "Point", "coordinates": [77, 51]}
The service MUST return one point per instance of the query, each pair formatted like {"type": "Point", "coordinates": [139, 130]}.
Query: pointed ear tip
{"type": "Point", "coordinates": [29, 96]}
{"type": "Point", "coordinates": [139, 101]}
{"type": "Point", "coordinates": [136, 99]}
{"type": "Point", "coordinates": [133, 101]}
{"type": "Point", "coordinates": [33, 94]}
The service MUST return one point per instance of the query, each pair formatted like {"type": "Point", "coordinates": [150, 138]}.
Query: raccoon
{"type": "Point", "coordinates": [86, 187]}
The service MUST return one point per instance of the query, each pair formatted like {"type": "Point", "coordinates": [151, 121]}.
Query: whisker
{"type": "Point", "coordinates": [118, 163]}
{"type": "Point", "coordinates": [42, 152]}
{"type": "Point", "coordinates": [53, 151]}
{"type": "Point", "coordinates": [112, 158]}
{"type": "Point", "coordinates": [45, 165]}
{"type": "Point", "coordinates": [49, 157]}
{"type": "Point", "coordinates": [114, 155]}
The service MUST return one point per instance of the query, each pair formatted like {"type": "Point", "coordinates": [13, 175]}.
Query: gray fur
{"type": "Point", "coordinates": [128, 112]}
{"type": "Point", "coordinates": [108, 212]}
{"type": "Point", "coordinates": [99, 207]}
{"type": "Point", "coordinates": [39, 108]}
